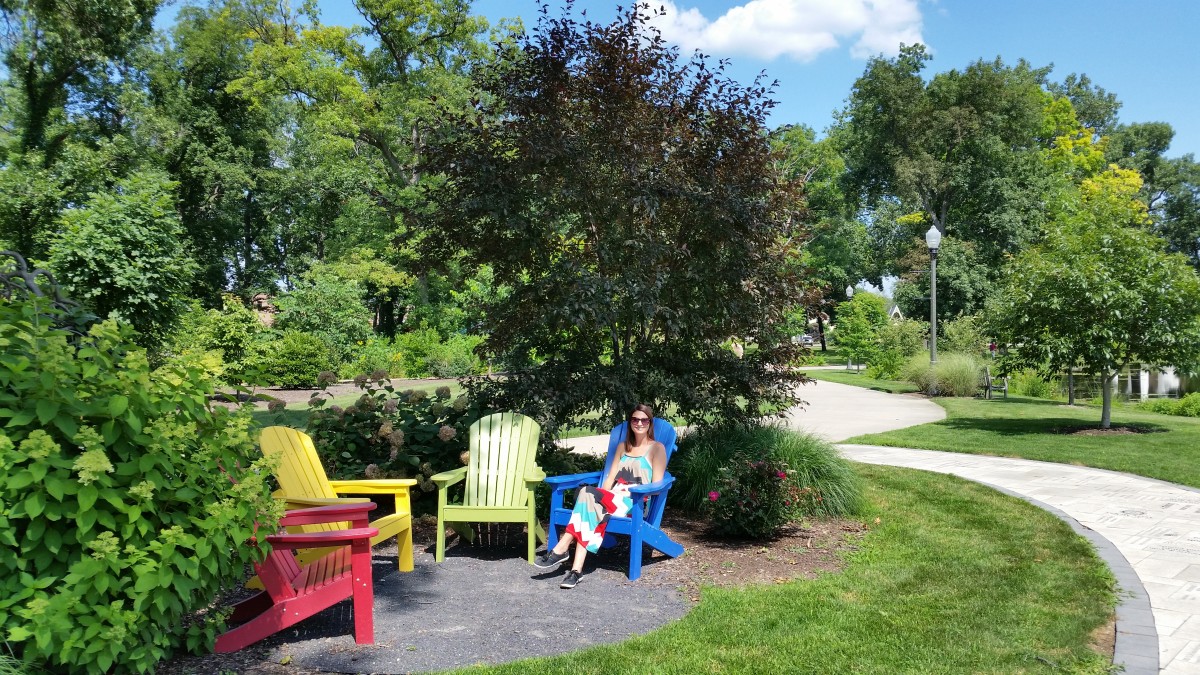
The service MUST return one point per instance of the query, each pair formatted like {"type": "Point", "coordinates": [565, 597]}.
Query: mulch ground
{"type": "Point", "coordinates": [801, 550]}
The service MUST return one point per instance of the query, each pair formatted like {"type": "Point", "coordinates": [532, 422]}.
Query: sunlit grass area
{"type": "Point", "coordinates": [953, 578]}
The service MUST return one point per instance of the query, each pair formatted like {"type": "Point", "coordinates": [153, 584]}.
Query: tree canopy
{"type": "Point", "coordinates": [1100, 292]}
{"type": "Point", "coordinates": [631, 200]}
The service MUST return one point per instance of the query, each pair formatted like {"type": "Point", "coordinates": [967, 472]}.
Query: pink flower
{"type": "Point", "coordinates": [781, 474]}
{"type": "Point", "coordinates": [712, 496]}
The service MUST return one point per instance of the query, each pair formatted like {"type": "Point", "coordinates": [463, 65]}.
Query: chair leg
{"type": "Point", "coordinates": [363, 593]}
{"type": "Point", "coordinates": [404, 544]}
{"type": "Point", "coordinates": [439, 553]}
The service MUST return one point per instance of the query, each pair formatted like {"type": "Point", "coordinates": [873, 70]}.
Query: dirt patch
{"type": "Point", "coordinates": [801, 550]}
{"type": "Point", "coordinates": [1111, 431]}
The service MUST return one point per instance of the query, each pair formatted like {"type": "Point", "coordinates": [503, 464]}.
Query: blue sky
{"type": "Point", "coordinates": [1146, 53]}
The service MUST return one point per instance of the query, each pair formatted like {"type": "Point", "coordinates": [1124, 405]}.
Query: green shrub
{"type": "Point", "coordinates": [1032, 383]}
{"type": "Point", "coordinates": [393, 434]}
{"type": "Point", "coordinates": [371, 356]}
{"type": "Point", "coordinates": [456, 357]}
{"type": "Point", "coordinates": [328, 307]}
{"type": "Point", "coordinates": [963, 335]}
{"type": "Point", "coordinates": [886, 365]}
{"type": "Point", "coordinates": [1161, 406]}
{"type": "Point", "coordinates": [752, 497]}
{"type": "Point", "coordinates": [953, 374]}
{"type": "Point", "coordinates": [128, 500]}
{"type": "Point", "coordinates": [413, 350]}
{"type": "Point", "coordinates": [231, 332]}
{"type": "Point", "coordinates": [1189, 406]}
{"type": "Point", "coordinates": [295, 359]}
{"type": "Point", "coordinates": [813, 464]}
{"type": "Point", "coordinates": [905, 337]}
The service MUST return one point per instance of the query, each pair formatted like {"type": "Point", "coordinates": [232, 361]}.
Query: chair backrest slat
{"type": "Point", "coordinates": [503, 450]}
{"type": "Point", "coordinates": [300, 471]}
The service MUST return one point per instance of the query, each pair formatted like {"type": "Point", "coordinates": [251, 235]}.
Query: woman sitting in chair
{"type": "Point", "coordinates": [641, 460]}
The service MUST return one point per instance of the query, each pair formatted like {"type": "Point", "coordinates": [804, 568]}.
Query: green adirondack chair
{"type": "Point", "coordinates": [500, 476]}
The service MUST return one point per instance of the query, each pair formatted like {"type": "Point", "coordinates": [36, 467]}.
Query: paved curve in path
{"type": "Point", "coordinates": [1148, 531]}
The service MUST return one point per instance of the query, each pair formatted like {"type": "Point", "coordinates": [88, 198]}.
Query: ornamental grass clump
{"type": "Point", "coordinates": [952, 375]}
{"type": "Point", "coordinates": [818, 481]}
{"type": "Point", "coordinates": [128, 499]}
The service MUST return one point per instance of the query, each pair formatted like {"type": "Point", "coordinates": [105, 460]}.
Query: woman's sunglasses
{"type": "Point", "coordinates": [639, 421]}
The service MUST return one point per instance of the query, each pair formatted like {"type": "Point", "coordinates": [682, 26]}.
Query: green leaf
{"type": "Point", "coordinates": [87, 497]}
{"type": "Point", "coordinates": [117, 405]}
{"type": "Point", "coordinates": [35, 503]}
{"type": "Point", "coordinates": [46, 410]}
{"type": "Point", "coordinates": [145, 583]}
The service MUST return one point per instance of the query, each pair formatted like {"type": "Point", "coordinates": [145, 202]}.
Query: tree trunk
{"type": "Point", "coordinates": [821, 332]}
{"type": "Point", "coordinates": [1106, 396]}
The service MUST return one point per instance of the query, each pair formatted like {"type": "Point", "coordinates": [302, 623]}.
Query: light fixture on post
{"type": "Point", "coordinates": [933, 239]}
{"type": "Point", "coordinates": [849, 292]}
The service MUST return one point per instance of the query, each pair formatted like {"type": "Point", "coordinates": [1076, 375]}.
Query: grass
{"type": "Point", "coordinates": [954, 577]}
{"type": "Point", "coordinates": [861, 380]}
{"type": "Point", "coordinates": [1033, 429]}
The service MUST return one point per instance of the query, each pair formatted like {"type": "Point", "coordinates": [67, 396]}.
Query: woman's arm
{"type": "Point", "coordinates": [616, 466]}
{"type": "Point", "coordinates": [658, 461]}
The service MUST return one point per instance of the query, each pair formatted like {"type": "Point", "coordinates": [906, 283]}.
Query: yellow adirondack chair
{"type": "Point", "coordinates": [500, 476]}
{"type": "Point", "coordinates": [303, 483]}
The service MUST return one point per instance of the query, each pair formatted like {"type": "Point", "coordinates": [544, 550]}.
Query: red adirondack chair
{"type": "Point", "coordinates": [294, 592]}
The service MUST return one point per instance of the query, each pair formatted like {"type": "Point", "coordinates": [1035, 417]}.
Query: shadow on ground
{"type": "Point", "coordinates": [483, 605]}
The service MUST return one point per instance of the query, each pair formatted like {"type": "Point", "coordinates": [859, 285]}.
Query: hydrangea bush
{"type": "Point", "coordinates": [387, 433]}
{"type": "Point", "coordinates": [126, 499]}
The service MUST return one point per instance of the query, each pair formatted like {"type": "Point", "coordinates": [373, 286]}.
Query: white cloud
{"type": "Point", "coordinates": [800, 29]}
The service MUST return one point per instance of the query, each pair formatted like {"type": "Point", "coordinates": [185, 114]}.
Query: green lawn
{"type": "Point", "coordinates": [955, 578]}
{"type": "Point", "coordinates": [861, 380]}
{"type": "Point", "coordinates": [1166, 449]}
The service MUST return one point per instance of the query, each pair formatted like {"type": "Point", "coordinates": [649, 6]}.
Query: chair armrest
{"type": "Point", "coordinates": [373, 486]}
{"type": "Point", "coordinates": [304, 502]}
{"type": "Point", "coordinates": [447, 478]}
{"type": "Point", "coordinates": [535, 476]}
{"type": "Point", "coordinates": [313, 539]}
{"type": "Point", "coordinates": [653, 488]}
{"type": "Point", "coordinates": [573, 480]}
{"type": "Point", "coordinates": [327, 514]}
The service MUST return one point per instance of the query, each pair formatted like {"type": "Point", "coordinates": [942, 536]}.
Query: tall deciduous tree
{"type": "Point", "coordinates": [838, 253]}
{"type": "Point", "coordinates": [1101, 291]}
{"type": "Point", "coordinates": [631, 200]}
{"type": "Point", "coordinates": [963, 148]}
{"type": "Point", "coordinates": [57, 54]}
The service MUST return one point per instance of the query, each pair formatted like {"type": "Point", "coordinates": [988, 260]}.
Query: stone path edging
{"type": "Point", "coordinates": [1146, 530]}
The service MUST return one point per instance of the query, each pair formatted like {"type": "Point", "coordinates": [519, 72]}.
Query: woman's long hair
{"type": "Point", "coordinates": [641, 407]}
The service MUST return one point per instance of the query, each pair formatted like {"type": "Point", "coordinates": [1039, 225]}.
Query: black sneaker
{"type": "Point", "coordinates": [570, 580]}
{"type": "Point", "coordinates": [549, 559]}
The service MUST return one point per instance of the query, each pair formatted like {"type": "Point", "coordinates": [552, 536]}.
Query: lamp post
{"type": "Point", "coordinates": [849, 295]}
{"type": "Point", "coordinates": [933, 238]}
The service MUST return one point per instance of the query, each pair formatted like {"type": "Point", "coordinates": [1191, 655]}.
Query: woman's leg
{"type": "Point", "coordinates": [580, 553]}
{"type": "Point", "coordinates": [564, 543]}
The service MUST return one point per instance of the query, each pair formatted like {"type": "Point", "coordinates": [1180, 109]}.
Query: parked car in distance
{"type": "Point", "coordinates": [802, 340]}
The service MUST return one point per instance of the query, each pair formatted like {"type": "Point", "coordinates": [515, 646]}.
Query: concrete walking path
{"type": "Point", "coordinates": [1146, 530]}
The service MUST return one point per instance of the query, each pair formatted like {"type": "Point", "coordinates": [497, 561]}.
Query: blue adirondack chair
{"type": "Point", "coordinates": [642, 525]}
